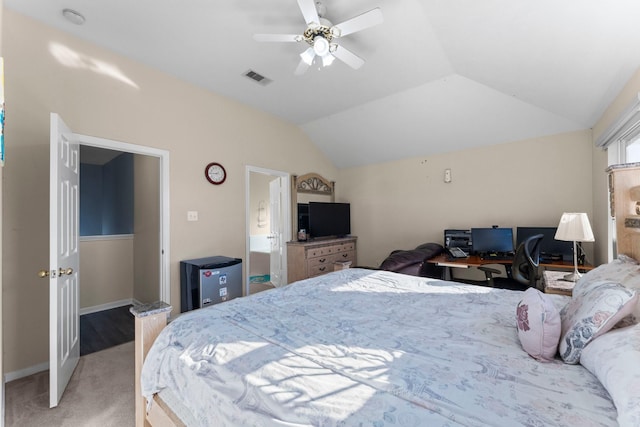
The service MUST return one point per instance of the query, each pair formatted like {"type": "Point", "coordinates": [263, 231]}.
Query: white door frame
{"type": "Point", "coordinates": [163, 156]}
{"type": "Point", "coordinates": [285, 211]}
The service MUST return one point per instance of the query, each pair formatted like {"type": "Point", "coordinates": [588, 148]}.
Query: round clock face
{"type": "Point", "coordinates": [215, 173]}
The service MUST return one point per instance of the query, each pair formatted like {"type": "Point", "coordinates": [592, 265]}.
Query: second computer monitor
{"type": "Point", "coordinates": [492, 240]}
{"type": "Point", "coordinates": [550, 248]}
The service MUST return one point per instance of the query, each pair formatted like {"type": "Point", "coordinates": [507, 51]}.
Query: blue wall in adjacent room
{"type": "Point", "coordinates": [106, 197]}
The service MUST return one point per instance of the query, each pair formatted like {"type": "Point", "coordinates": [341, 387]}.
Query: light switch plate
{"type": "Point", "coordinates": [192, 215]}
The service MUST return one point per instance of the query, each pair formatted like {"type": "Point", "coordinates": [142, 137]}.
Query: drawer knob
{"type": "Point", "coordinates": [322, 260]}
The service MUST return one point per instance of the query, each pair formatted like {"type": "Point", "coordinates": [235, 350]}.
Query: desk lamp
{"type": "Point", "coordinates": [574, 227]}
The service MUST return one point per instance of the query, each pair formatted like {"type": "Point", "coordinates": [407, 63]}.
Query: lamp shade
{"type": "Point", "coordinates": [574, 227]}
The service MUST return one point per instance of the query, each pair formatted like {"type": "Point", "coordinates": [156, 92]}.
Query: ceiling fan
{"type": "Point", "coordinates": [321, 35]}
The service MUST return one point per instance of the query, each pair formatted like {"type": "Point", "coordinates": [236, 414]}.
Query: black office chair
{"type": "Point", "coordinates": [524, 272]}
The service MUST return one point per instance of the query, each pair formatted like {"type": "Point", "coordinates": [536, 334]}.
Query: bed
{"type": "Point", "coordinates": [362, 347]}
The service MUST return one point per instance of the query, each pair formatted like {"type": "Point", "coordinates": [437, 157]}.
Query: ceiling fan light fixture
{"type": "Point", "coordinates": [307, 56]}
{"type": "Point", "coordinates": [327, 60]}
{"type": "Point", "coordinates": [320, 46]}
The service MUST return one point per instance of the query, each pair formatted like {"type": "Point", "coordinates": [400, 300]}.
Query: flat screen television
{"type": "Point", "coordinates": [329, 219]}
{"type": "Point", "coordinates": [550, 248]}
{"type": "Point", "coordinates": [492, 240]}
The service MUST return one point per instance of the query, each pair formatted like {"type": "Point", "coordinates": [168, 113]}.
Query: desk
{"type": "Point", "coordinates": [475, 261]}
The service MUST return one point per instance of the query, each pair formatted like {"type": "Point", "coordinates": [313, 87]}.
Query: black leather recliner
{"type": "Point", "coordinates": [413, 261]}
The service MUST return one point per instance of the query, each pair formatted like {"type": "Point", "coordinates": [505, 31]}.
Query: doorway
{"type": "Point", "coordinates": [119, 226]}
{"type": "Point", "coordinates": [154, 167]}
{"type": "Point", "coordinates": [268, 225]}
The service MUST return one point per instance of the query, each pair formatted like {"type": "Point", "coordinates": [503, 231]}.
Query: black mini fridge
{"type": "Point", "coordinates": [207, 281]}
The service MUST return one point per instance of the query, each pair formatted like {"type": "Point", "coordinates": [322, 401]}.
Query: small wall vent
{"type": "Point", "coordinates": [257, 77]}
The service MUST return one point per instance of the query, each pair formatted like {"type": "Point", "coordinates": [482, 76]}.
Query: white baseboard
{"type": "Point", "coordinates": [15, 375]}
{"type": "Point", "coordinates": [107, 306]}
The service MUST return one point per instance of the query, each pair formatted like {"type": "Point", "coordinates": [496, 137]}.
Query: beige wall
{"type": "Point", "coordinates": [404, 203]}
{"type": "Point", "coordinates": [106, 271]}
{"type": "Point", "coordinates": [134, 104]}
{"type": "Point", "coordinates": [146, 228]}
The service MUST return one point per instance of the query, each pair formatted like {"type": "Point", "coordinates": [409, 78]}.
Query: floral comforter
{"type": "Point", "coordinates": [368, 348]}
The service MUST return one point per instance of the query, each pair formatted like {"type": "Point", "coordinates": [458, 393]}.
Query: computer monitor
{"type": "Point", "coordinates": [550, 248]}
{"type": "Point", "coordinates": [491, 240]}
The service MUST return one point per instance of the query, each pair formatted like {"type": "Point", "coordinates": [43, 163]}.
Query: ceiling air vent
{"type": "Point", "coordinates": [257, 77]}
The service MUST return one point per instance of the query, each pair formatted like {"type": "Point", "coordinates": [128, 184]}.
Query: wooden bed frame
{"type": "Point", "coordinates": [150, 320]}
{"type": "Point", "coordinates": [624, 187]}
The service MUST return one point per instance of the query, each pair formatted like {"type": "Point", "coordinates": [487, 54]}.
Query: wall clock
{"type": "Point", "coordinates": [215, 173]}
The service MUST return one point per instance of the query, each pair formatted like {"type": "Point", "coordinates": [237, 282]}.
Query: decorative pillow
{"type": "Point", "coordinates": [538, 325]}
{"type": "Point", "coordinates": [592, 313]}
{"type": "Point", "coordinates": [614, 359]}
{"type": "Point", "coordinates": [624, 270]}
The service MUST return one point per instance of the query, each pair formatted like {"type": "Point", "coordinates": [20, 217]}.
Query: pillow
{"type": "Point", "coordinates": [538, 324]}
{"type": "Point", "coordinates": [592, 313]}
{"type": "Point", "coordinates": [624, 270]}
{"type": "Point", "coordinates": [614, 359]}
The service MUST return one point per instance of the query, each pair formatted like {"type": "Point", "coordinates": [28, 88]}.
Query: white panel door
{"type": "Point", "coordinates": [276, 238]}
{"type": "Point", "coordinates": [64, 320]}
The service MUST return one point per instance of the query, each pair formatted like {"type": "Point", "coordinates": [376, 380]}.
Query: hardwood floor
{"type": "Point", "coordinates": [106, 329]}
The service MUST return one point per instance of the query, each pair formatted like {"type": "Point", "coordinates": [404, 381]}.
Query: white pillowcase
{"type": "Point", "coordinates": [538, 323]}
{"type": "Point", "coordinates": [592, 312]}
{"type": "Point", "coordinates": [624, 270]}
{"type": "Point", "coordinates": [614, 359]}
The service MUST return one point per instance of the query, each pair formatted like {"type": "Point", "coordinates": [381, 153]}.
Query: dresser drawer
{"type": "Point", "coordinates": [330, 259]}
{"type": "Point", "coordinates": [329, 250]}
{"type": "Point", "coordinates": [320, 269]}
{"type": "Point", "coordinates": [321, 260]}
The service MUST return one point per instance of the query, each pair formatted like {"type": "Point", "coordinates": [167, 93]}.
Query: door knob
{"type": "Point", "coordinates": [43, 273]}
{"type": "Point", "coordinates": [63, 271]}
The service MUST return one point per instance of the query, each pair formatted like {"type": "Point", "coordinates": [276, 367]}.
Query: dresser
{"type": "Point", "coordinates": [313, 258]}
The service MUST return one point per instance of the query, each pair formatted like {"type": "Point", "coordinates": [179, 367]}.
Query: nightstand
{"type": "Point", "coordinates": [553, 283]}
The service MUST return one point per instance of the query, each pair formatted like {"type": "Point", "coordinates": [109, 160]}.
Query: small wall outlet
{"type": "Point", "coordinates": [447, 175]}
{"type": "Point", "coordinates": [192, 215]}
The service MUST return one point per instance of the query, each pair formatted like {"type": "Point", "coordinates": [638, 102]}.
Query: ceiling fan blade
{"type": "Point", "coordinates": [277, 37]}
{"type": "Point", "coordinates": [309, 11]}
{"type": "Point", "coordinates": [360, 22]}
{"type": "Point", "coordinates": [301, 68]}
{"type": "Point", "coordinates": [348, 57]}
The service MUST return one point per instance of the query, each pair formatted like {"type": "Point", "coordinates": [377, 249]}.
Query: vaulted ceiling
{"type": "Point", "coordinates": [440, 75]}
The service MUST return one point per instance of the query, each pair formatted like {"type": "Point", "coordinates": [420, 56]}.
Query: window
{"type": "Point", "coordinates": [632, 152]}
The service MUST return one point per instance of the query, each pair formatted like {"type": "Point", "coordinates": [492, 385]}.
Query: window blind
{"type": "Point", "coordinates": [625, 128]}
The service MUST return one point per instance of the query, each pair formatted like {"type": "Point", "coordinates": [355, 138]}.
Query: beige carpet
{"type": "Point", "coordinates": [100, 393]}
